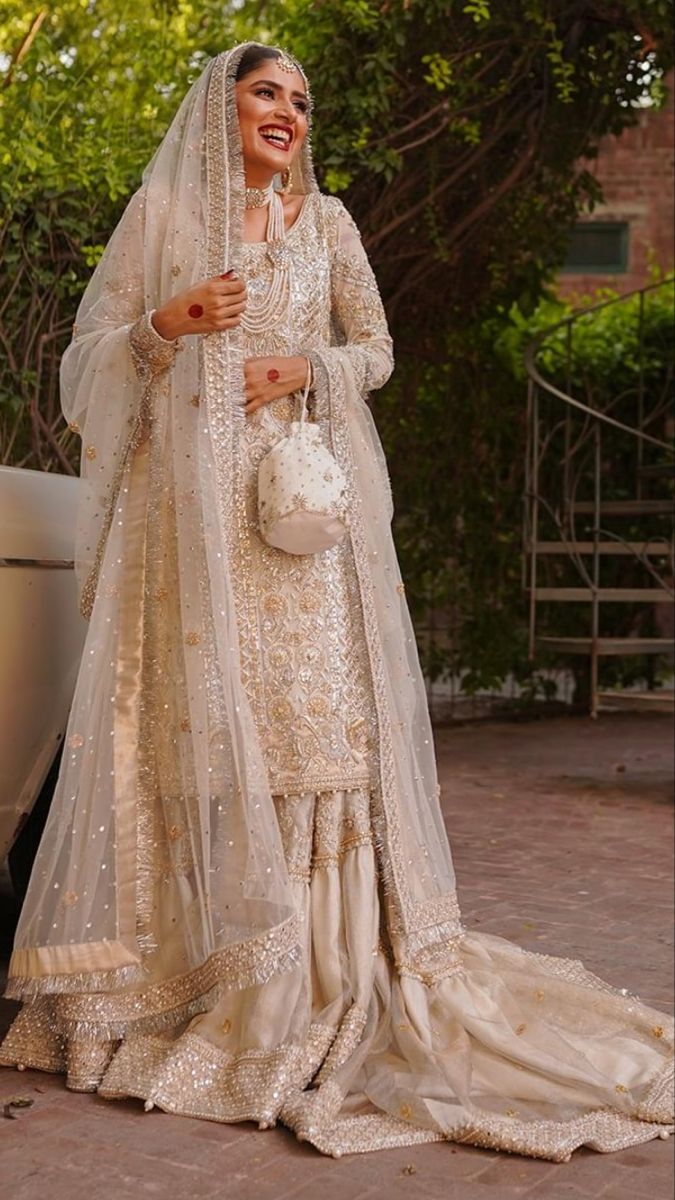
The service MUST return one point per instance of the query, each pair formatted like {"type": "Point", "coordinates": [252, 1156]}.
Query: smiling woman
{"type": "Point", "coordinates": [273, 107]}
{"type": "Point", "coordinates": [273, 116]}
{"type": "Point", "coordinates": [243, 906]}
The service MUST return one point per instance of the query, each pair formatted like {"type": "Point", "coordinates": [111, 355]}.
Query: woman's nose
{"type": "Point", "coordinates": [286, 112]}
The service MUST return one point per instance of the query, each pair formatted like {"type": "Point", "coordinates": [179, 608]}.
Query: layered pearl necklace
{"type": "Point", "coordinates": [273, 307]}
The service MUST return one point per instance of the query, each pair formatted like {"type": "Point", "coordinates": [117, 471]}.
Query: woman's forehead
{"type": "Point", "coordinates": [271, 71]}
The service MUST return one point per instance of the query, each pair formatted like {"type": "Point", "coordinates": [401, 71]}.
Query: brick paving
{"type": "Point", "coordinates": [562, 839]}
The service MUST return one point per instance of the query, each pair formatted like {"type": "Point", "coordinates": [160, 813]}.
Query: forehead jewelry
{"type": "Point", "coordinates": [286, 63]}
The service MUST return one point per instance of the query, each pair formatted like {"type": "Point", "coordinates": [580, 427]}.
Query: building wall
{"type": "Point", "coordinates": [636, 173]}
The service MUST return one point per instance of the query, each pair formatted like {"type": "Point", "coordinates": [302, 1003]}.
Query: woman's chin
{"type": "Point", "coordinates": [276, 163]}
{"type": "Point", "coordinates": [273, 162]}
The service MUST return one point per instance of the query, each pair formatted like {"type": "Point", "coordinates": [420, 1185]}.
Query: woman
{"type": "Point", "coordinates": [243, 906]}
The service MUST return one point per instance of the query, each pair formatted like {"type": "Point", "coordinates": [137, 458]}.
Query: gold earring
{"type": "Point", "coordinates": [287, 180]}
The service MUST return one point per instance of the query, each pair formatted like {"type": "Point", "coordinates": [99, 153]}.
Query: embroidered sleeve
{"type": "Point", "coordinates": [357, 310]}
{"type": "Point", "coordinates": [150, 352]}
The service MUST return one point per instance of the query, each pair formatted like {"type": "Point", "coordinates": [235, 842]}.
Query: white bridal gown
{"type": "Point", "coordinates": [498, 1047]}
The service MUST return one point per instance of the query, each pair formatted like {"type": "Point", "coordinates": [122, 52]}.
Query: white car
{"type": "Point", "coordinates": [41, 640]}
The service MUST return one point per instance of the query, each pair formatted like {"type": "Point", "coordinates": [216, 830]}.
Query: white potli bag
{"type": "Point", "coordinates": [302, 490]}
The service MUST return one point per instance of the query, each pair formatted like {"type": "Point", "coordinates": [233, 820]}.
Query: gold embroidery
{"type": "Point", "coordinates": [303, 653]}
{"type": "Point", "coordinates": [318, 706]}
{"type": "Point", "coordinates": [274, 604]}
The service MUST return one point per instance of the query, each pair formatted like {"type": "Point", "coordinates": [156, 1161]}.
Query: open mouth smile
{"type": "Point", "coordinates": [279, 136]}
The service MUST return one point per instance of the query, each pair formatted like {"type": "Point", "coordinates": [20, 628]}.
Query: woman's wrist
{"type": "Point", "coordinates": [303, 367]}
{"type": "Point", "coordinates": [163, 325]}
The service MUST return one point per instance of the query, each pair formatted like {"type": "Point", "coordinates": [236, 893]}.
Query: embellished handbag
{"type": "Point", "coordinates": [302, 491]}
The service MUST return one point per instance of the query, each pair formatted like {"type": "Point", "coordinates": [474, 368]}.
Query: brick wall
{"type": "Point", "coordinates": [636, 173]}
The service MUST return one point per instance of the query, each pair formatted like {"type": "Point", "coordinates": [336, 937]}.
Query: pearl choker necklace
{"type": "Point", "coordinates": [271, 310]}
{"type": "Point", "coordinates": [259, 197]}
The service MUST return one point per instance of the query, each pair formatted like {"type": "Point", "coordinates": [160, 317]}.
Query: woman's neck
{"type": "Point", "coordinates": [257, 178]}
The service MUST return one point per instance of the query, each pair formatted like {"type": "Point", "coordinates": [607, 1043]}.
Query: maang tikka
{"type": "Point", "coordinates": [285, 62]}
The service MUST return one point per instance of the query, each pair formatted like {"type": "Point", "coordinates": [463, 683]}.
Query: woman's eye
{"type": "Point", "coordinates": [265, 92]}
{"type": "Point", "coordinates": [301, 106]}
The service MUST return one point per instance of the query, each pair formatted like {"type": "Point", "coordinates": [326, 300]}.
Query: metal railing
{"type": "Point", "coordinates": [598, 524]}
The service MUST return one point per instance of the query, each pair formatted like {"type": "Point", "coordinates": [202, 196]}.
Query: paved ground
{"type": "Point", "coordinates": [562, 837]}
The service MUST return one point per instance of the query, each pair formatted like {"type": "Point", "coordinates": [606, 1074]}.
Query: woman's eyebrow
{"type": "Point", "coordinates": [277, 87]}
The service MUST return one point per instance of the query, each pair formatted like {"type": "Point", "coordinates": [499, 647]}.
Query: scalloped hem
{"type": "Point", "coordinates": [556, 1141]}
{"type": "Point", "coordinates": [189, 1076]}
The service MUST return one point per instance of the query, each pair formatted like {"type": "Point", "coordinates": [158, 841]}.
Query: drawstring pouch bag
{"type": "Point", "coordinates": [302, 490]}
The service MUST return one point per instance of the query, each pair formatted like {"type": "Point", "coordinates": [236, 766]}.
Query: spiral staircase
{"type": "Point", "coordinates": [598, 560]}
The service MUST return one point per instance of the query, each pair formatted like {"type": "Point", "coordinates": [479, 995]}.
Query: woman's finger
{"type": "Point", "coordinates": [230, 308]}
{"type": "Point", "coordinates": [217, 324]}
{"type": "Point", "coordinates": [231, 290]}
{"type": "Point", "coordinates": [227, 286]}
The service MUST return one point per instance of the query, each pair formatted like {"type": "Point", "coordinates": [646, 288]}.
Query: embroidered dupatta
{"type": "Point", "coordinates": [162, 749]}
{"type": "Point", "coordinates": [160, 891]}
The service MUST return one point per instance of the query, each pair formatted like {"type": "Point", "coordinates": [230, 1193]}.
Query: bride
{"type": "Point", "coordinates": [243, 906]}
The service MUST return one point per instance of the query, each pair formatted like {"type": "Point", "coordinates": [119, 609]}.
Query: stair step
{"type": "Point", "coordinates": [661, 700]}
{"type": "Point", "coordinates": [657, 471]}
{"type": "Point", "coordinates": [613, 595]}
{"type": "Point", "coordinates": [663, 549]}
{"type": "Point", "coordinates": [624, 508]}
{"type": "Point", "coordinates": [608, 646]}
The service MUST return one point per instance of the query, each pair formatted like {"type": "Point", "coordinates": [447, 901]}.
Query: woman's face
{"type": "Point", "coordinates": [273, 116]}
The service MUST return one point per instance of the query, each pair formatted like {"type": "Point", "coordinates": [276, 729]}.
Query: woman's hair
{"type": "Point", "coordinates": [254, 57]}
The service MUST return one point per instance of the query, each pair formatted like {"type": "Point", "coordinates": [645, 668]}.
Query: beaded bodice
{"type": "Point", "coordinates": [303, 647]}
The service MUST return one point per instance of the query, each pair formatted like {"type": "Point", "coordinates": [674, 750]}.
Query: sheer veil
{"type": "Point", "coordinates": [160, 896]}
{"type": "Point", "coordinates": [162, 751]}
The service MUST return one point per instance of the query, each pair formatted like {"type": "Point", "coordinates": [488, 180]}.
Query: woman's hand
{"type": "Point", "coordinates": [287, 375]}
{"type": "Point", "coordinates": [211, 305]}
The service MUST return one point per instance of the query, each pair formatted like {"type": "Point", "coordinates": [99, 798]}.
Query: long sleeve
{"type": "Point", "coordinates": [113, 334]}
{"type": "Point", "coordinates": [356, 308]}
{"type": "Point", "coordinates": [150, 352]}
{"type": "Point", "coordinates": [106, 376]}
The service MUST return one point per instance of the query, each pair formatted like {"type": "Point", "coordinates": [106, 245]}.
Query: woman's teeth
{"type": "Point", "coordinates": [277, 137]}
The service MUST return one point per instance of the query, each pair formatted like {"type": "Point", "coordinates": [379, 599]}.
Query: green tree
{"type": "Point", "coordinates": [453, 129]}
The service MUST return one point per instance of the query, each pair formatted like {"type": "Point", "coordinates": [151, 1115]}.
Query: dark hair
{"type": "Point", "coordinates": [254, 57]}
